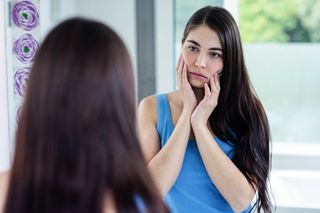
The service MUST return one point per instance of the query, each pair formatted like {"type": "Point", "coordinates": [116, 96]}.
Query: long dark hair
{"type": "Point", "coordinates": [76, 142]}
{"type": "Point", "coordinates": [239, 116]}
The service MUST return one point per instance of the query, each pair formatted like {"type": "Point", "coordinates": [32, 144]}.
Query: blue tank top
{"type": "Point", "coordinates": [193, 190]}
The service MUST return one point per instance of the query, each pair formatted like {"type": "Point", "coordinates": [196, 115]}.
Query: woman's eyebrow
{"type": "Point", "coordinates": [216, 48]}
{"type": "Point", "coordinates": [196, 43]}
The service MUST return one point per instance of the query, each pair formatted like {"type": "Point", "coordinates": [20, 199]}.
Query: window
{"type": "Point", "coordinates": [281, 45]}
{"type": "Point", "coordinates": [280, 21]}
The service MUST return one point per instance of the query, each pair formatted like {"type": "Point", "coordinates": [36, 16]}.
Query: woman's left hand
{"type": "Point", "coordinates": [209, 102]}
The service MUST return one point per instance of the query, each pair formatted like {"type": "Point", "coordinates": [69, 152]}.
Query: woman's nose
{"type": "Point", "coordinates": [200, 62]}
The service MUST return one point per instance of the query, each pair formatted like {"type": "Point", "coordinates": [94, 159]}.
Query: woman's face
{"type": "Point", "coordinates": [202, 54]}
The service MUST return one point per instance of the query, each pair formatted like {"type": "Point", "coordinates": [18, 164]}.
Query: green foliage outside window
{"type": "Point", "coordinates": [280, 20]}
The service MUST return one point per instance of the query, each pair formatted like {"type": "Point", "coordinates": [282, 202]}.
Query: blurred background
{"type": "Point", "coordinates": [282, 52]}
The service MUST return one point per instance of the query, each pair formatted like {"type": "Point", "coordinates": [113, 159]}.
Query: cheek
{"type": "Point", "coordinates": [188, 57]}
{"type": "Point", "coordinates": [215, 67]}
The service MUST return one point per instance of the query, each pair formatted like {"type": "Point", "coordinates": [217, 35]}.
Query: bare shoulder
{"type": "Point", "coordinates": [109, 205]}
{"type": "Point", "coordinates": [147, 127]}
{"type": "Point", "coordinates": [4, 181]}
{"type": "Point", "coordinates": [148, 108]}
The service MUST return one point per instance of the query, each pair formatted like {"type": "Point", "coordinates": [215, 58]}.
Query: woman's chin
{"type": "Point", "coordinates": [196, 84]}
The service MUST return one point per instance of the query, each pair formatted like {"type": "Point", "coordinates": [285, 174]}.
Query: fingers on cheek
{"type": "Point", "coordinates": [181, 64]}
{"type": "Point", "coordinates": [178, 64]}
{"type": "Point", "coordinates": [185, 71]}
{"type": "Point", "coordinates": [207, 90]}
{"type": "Point", "coordinates": [217, 77]}
{"type": "Point", "coordinates": [211, 82]}
{"type": "Point", "coordinates": [215, 83]}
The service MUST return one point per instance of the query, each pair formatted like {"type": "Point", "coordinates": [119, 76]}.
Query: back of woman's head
{"type": "Point", "coordinates": [76, 141]}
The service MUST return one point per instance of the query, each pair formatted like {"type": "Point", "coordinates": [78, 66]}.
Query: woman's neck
{"type": "Point", "coordinates": [199, 93]}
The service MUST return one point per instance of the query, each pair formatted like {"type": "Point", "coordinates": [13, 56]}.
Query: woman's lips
{"type": "Point", "coordinates": [198, 76]}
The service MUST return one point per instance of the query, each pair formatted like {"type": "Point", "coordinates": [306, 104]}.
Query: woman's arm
{"type": "Point", "coordinates": [164, 164]}
{"type": "Point", "coordinates": [4, 181]}
{"type": "Point", "coordinates": [228, 179]}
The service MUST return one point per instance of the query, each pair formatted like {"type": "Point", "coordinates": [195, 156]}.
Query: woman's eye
{"type": "Point", "coordinates": [193, 49]}
{"type": "Point", "coordinates": [215, 55]}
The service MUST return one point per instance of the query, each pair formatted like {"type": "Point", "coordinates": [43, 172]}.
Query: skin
{"type": "Point", "coordinates": [201, 55]}
{"type": "Point", "coordinates": [191, 105]}
{"type": "Point", "coordinates": [4, 177]}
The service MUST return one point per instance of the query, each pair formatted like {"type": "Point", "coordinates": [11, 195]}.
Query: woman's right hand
{"type": "Point", "coordinates": [189, 100]}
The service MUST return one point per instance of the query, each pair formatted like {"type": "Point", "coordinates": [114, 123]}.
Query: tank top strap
{"type": "Point", "coordinates": [164, 122]}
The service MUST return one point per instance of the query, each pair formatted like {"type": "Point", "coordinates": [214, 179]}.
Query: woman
{"type": "Point", "coordinates": [76, 144]}
{"type": "Point", "coordinates": [207, 144]}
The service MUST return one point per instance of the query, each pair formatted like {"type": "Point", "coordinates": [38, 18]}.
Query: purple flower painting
{"type": "Point", "coordinates": [21, 77]}
{"type": "Point", "coordinates": [25, 15]}
{"type": "Point", "coordinates": [25, 48]}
